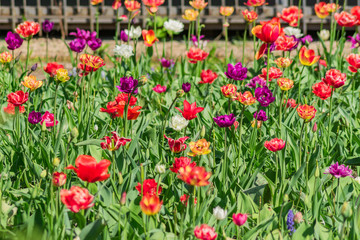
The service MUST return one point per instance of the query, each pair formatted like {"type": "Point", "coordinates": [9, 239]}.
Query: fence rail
{"type": "Point", "coordinates": [69, 14]}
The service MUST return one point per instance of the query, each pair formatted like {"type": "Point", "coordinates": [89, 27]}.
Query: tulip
{"type": "Point", "coordinates": [321, 10]}
{"type": "Point", "coordinates": [159, 89]}
{"type": "Point", "coordinates": [338, 171]}
{"type": "Point", "coordinates": [249, 16]}
{"type": "Point", "coordinates": [132, 5]}
{"type": "Point", "coordinates": [89, 170]}
{"type": "Point", "coordinates": [291, 15]}
{"type": "Point", "coordinates": [268, 32]}
{"type": "Point", "coordinates": [219, 213]}
{"type": "Point", "coordinates": [345, 19]}
{"type": "Point", "coordinates": [245, 98]}
{"type": "Point", "coordinates": [226, 11]}
{"type": "Point", "coordinates": [48, 119]}
{"type": "Point", "coordinates": [149, 187]}
{"type": "Point", "coordinates": [285, 84]}
{"type": "Point", "coordinates": [181, 162]}
{"type": "Point", "coordinates": [17, 98]}
{"type": "Point", "coordinates": [283, 62]}
{"type": "Point", "coordinates": [196, 55]}
{"type": "Point", "coordinates": [149, 37]}
{"type": "Point", "coordinates": [334, 78]}
{"type": "Point", "coordinates": [274, 73]}
{"type": "Point", "coordinates": [116, 4]}
{"type": "Point", "coordinates": [59, 179]}
{"type": "Point", "coordinates": [190, 110]}
{"type": "Point", "coordinates": [150, 204]}
{"type": "Point", "coordinates": [229, 90]}
{"type": "Point", "coordinates": [51, 68]}
{"type": "Point", "coordinates": [190, 15]}
{"type": "Point", "coordinates": [198, 4]}
{"type": "Point", "coordinates": [177, 145]}
{"type": "Point", "coordinates": [114, 143]}
{"type": "Point", "coordinates": [255, 3]}
{"type": "Point", "coordinates": [354, 61]}
{"type": "Point", "coordinates": [322, 90]}
{"type": "Point", "coordinates": [201, 147]}
{"type": "Point", "coordinates": [307, 56]}
{"type": "Point", "coordinates": [306, 112]}
{"type": "Point", "coordinates": [239, 218]}
{"type": "Point", "coordinates": [28, 29]}
{"type": "Point", "coordinates": [184, 199]}
{"type": "Point", "coordinates": [10, 109]}
{"type": "Point", "coordinates": [5, 57]}
{"type": "Point", "coordinates": [76, 198]}
{"type": "Point", "coordinates": [205, 232]}
{"type": "Point", "coordinates": [275, 144]}
{"type": "Point", "coordinates": [194, 176]}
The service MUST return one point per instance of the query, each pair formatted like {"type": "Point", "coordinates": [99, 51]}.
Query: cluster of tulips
{"type": "Point", "coordinates": [235, 113]}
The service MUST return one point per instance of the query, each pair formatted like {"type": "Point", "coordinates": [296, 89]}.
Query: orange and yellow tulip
{"type": "Point", "coordinates": [307, 57]}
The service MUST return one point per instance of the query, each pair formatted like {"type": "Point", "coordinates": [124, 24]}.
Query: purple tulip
{"type": "Point", "coordinates": [167, 63]}
{"type": "Point", "coordinates": [261, 116]}
{"type": "Point", "coordinates": [13, 40]}
{"type": "Point", "coordinates": [225, 120]}
{"type": "Point", "coordinates": [355, 42]}
{"type": "Point", "coordinates": [338, 171]}
{"type": "Point", "coordinates": [83, 34]}
{"type": "Point", "coordinates": [306, 40]}
{"type": "Point", "coordinates": [47, 26]}
{"type": "Point", "coordinates": [128, 85]}
{"type": "Point", "coordinates": [256, 81]}
{"type": "Point", "coordinates": [237, 72]}
{"type": "Point", "coordinates": [77, 45]}
{"type": "Point", "coordinates": [123, 36]}
{"type": "Point", "coordinates": [264, 96]}
{"type": "Point", "coordinates": [34, 117]}
{"type": "Point", "coordinates": [186, 87]}
{"type": "Point", "coordinates": [94, 43]}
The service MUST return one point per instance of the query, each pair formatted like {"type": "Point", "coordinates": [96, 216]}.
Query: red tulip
{"type": "Point", "coordinates": [190, 110]}
{"type": "Point", "coordinates": [114, 142]}
{"type": "Point", "coordinates": [28, 29]}
{"type": "Point", "coordinates": [149, 187]}
{"type": "Point", "coordinates": [285, 43]}
{"type": "Point", "coordinates": [52, 67]}
{"type": "Point", "coordinates": [150, 204]}
{"type": "Point", "coordinates": [49, 119]}
{"type": "Point", "coordinates": [17, 98]}
{"type": "Point", "coordinates": [345, 19]}
{"type": "Point", "coordinates": [196, 54]}
{"type": "Point", "coordinates": [274, 73]}
{"type": "Point", "coordinates": [322, 90]}
{"type": "Point", "coordinates": [275, 144]}
{"type": "Point", "coordinates": [205, 232]}
{"type": "Point", "coordinates": [321, 9]}
{"type": "Point", "coordinates": [194, 176]}
{"type": "Point", "coordinates": [208, 76]}
{"type": "Point", "coordinates": [177, 145]}
{"type": "Point", "coordinates": [10, 109]}
{"type": "Point", "coordinates": [290, 103]}
{"type": "Point", "coordinates": [354, 61]}
{"type": "Point", "coordinates": [76, 198]}
{"type": "Point", "coordinates": [149, 37]}
{"type": "Point", "coordinates": [307, 57]}
{"type": "Point", "coordinates": [88, 170]}
{"type": "Point", "coordinates": [291, 15]}
{"type": "Point", "coordinates": [181, 162]}
{"type": "Point", "coordinates": [355, 11]}
{"type": "Point", "coordinates": [268, 32]}
{"type": "Point", "coordinates": [59, 179]}
{"type": "Point", "coordinates": [334, 78]}
{"type": "Point", "coordinates": [239, 218]}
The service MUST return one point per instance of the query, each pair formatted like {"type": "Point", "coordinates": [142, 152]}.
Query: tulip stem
{"type": "Point", "coordinates": [280, 109]}
{"type": "Point", "coordinates": [240, 134]}
{"type": "Point", "coordinates": [189, 33]}
{"type": "Point", "coordinates": [329, 126]}
{"type": "Point", "coordinates": [299, 93]}
{"type": "Point", "coordinates": [268, 63]}
{"type": "Point", "coordinates": [117, 27]}
{"type": "Point", "coordinates": [56, 90]}
{"type": "Point", "coordinates": [244, 43]}
{"type": "Point", "coordinates": [300, 144]}
{"type": "Point", "coordinates": [225, 158]}
{"type": "Point", "coordinates": [164, 121]}
{"type": "Point", "coordinates": [27, 53]}
{"type": "Point", "coordinates": [226, 40]}
{"type": "Point", "coordinates": [47, 43]}
{"type": "Point", "coordinates": [97, 20]}
{"type": "Point", "coordinates": [299, 9]}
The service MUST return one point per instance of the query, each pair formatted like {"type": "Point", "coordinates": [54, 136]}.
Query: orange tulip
{"type": "Point", "coordinates": [226, 11]}
{"type": "Point", "coordinates": [198, 4]}
{"type": "Point", "coordinates": [268, 32]}
{"type": "Point", "coordinates": [5, 57]}
{"type": "Point", "coordinates": [31, 83]}
{"type": "Point", "coordinates": [332, 7]}
{"type": "Point", "coordinates": [307, 56]}
{"type": "Point", "coordinates": [153, 4]}
{"type": "Point", "coordinates": [255, 3]}
{"type": "Point", "coordinates": [321, 10]}
{"type": "Point", "coordinates": [245, 98]}
{"type": "Point", "coordinates": [150, 204]}
{"type": "Point", "coordinates": [190, 15]}
{"type": "Point", "coordinates": [306, 112]}
{"type": "Point", "coordinates": [229, 90]}
{"type": "Point", "coordinates": [249, 16]}
{"type": "Point", "coordinates": [283, 62]}
{"type": "Point", "coordinates": [285, 84]}
{"type": "Point", "coordinates": [201, 147]}
{"type": "Point", "coordinates": [96, 2]}
{"type": "Point", "coordinates": [194, 176]}
{"type": "Point", "coordinates": [149, 37]}
{"type": "Point", "coordinates": [132, 5]}
{"type": "Point", "coordinates": [116, 4]}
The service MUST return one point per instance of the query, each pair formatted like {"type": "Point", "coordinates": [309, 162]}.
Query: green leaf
{"type": "Point", "coordinates": [92, 230]}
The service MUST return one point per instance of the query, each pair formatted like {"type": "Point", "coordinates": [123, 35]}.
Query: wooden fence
{"type": "Point", "coordinates": [69, 14]}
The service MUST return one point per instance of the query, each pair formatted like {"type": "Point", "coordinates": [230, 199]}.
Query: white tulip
{"type": "Point", "coordinates": [174, 26]}
{"type": "Point", "coordinates": [324, 34]}
{"type": "Point", "coordinates": [219, 213]}
{"type": "Point", "coordinates": [160, 168]}
{"type": "Point", "coordinates": [290, 31]}
{"type": "Point", "coordinates": [124, 50]}
{"type": "Point", "coordinates": [134, 33]}
{"type": "Point", "coordinates": [178, 123]}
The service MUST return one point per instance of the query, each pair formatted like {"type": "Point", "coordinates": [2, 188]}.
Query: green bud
{"type": "Point", "coordinates": [346, 210]}
{"type": "Point", "coordinates": [74, 133]}
{"type": "Point", "coordinates": [180, 93]}
{"type": "Point", "coordinates": [43, 174]}
{"type": "Point", "coordinates": [56, 162]}
{"type": "Point", "coordinates": [317, 171]}
{"type": "Point", "coordinates": [286, 198]}
{"type": "Point", "coordinates": [43, 127]}
{"type": "Point", "coordinates": [121, 179]}
{"type": "Point", "coordinates": [203, 131]}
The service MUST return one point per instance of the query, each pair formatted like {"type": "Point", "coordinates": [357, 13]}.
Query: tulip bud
{"type": "Point", "coordinates": [180, 93]}
{"type": "Point", "coordinates": [143, 80]}
{"type": "Point", "coordinates": [74, 133]}
{"type": "Point", "coordinates": [317, 171]}
{"type": "Point", "coordinates": [286, 198]}
{"type": "Point", "coordinates": [56, 162]}
{"type": "Point", "coordinates": [96, 127]}
{"type": "Point", "coordinates": [17, 58]}
{"type": "Point", "coordinates": [202, 133]}
{"type": "Point", "coordinates": [298, 218]}
{"type": "Point", "coordinates": [121, 179]}
{"type": "Point", "coordinates": [43, 174]}
{"type": "Point", "coordinates": [346, 210]}
{"type": "Point", "coordinates": [357, 179]}
{"type": "Point", "coordinates": [43, 127]}
{"type": "Point", "coordinates": [34, 67]}
{"type": "Point", "coordinates": [123, 198]}
{"type": "Point", "coordinates": [314, 129]}
{"type": "Point", "coordinates": [160, 168]}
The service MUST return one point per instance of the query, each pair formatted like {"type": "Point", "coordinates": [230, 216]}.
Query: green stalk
{"type": "Point", "coordinates": [268, 62]}
{"type": "Point", "coordinates": [226, 40]}
{"type": "Point", "coordinates": [244, 43]}
{"type": "Point", "coordinates": [54, 128]}
{"type": "Point", "coordinates": [299, 8]}
{"type": "Point", "coordinates": [300, 144]}
{"type": "Point", "coordinates": [225, 159]}
{"type": "Point", "coordinates": [299, 90]}
{"type": "Point", "coordinates": [329, 126]}
{"type": "Point", "coordinates": [27, 53]}
{"type": "Point", "coordinates": [97, 20]}
{"type": "Point", "coordinates": [280, 109]}
{"type": "Point", "coordinates": [189, 33]}
{"type": "Point", "coordinates": [117, 27]}
{"type": "Point", "coordinates": [240, 134]}
{"type": "Point", "coordinates": [47, 43]}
